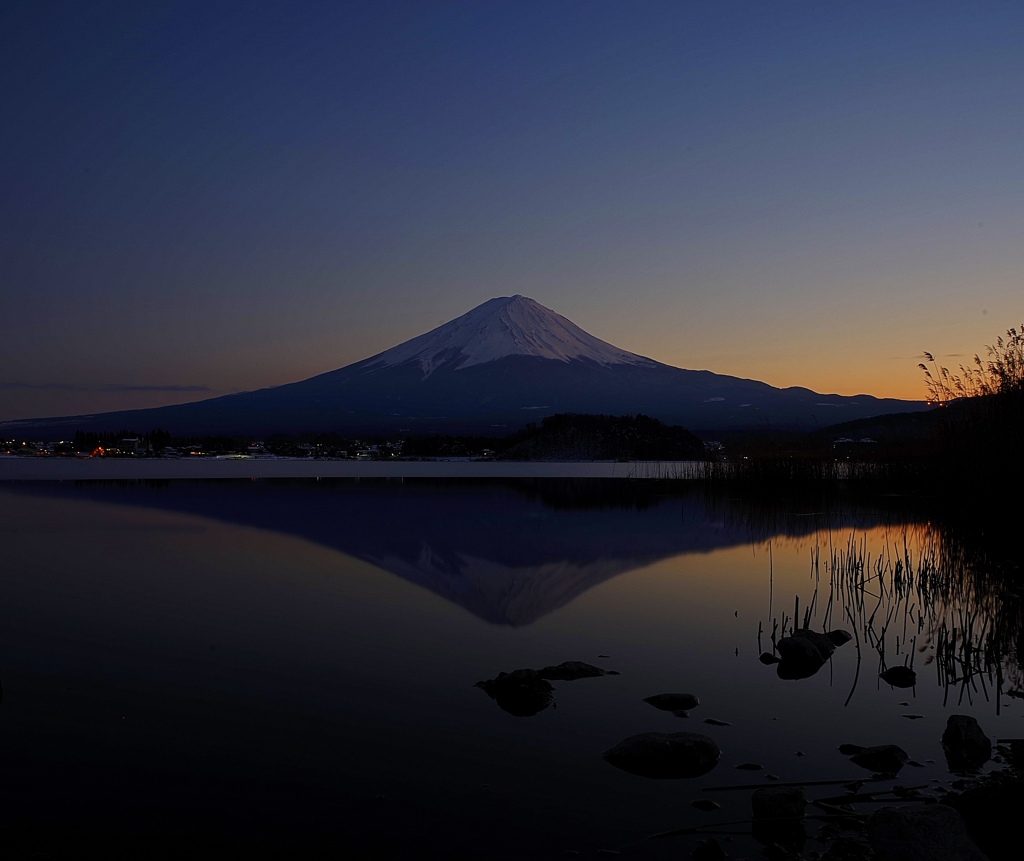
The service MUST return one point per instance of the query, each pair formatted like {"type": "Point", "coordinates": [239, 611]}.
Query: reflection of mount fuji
{"type": "Point", "coordinates": [510, 552]}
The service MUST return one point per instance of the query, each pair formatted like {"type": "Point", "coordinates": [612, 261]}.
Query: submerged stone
{"type": "Point", "coordinates": [569, 671]}
{"type": "Point", "coordinates": [705, 804]}
{"type": "Point", "coordinates": [884, 758]}
{"type": "Point", "coordinates": [665, 755]}
{"type": "Point", "coordinates": [673, 702]}
{"type": "Point", "coordinates": [899, 677]}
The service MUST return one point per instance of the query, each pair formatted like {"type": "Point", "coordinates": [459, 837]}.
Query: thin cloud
{"type": "Point", "coordinates": [102, 387]}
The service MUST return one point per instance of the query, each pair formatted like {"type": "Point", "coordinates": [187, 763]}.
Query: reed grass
{"type": "Point", "coordinates": [933, 610]}
{"type": "Point", "coordinates": [1001, 373]}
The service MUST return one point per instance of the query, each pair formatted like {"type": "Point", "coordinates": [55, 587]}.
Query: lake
{"type": "Point", "coordinates": [287, 667]}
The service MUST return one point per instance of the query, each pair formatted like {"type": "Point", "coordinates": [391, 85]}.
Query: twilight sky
{"type": "Point", "coordinates": [199, 198]}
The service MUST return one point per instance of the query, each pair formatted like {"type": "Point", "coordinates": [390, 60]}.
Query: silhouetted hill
{"type": "Point", "coordinates": [571, 436]}
{"type": "Point", "coordinates": [900, 434]}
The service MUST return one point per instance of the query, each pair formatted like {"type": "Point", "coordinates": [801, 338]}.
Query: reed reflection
{"type": "Point", "coordinates": [937, 607]}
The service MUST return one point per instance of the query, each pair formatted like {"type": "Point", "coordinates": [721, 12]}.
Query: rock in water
{"type": "Point", "coordinates": [673, 702]}
{"type": "Point", "coordinates": [525, 692]}
{"type": "Point", "coordinates": [569, 671]}
{"type": "Point", "coordinates": [820, 643]}
{"type": "Point", "coordinates": [522, 693]}
{"type": "Point", "coordinates": [665, 755]}
{"type": "Point", "coordinates": [965, 744]}
{"type": "Point", "coordinates": [805, 652]}
{"type": "Point", "coordinates": [884, 759]}
{"type": "Point", "coordinates": [705, 804]}
{"type": "Point", "coordinates": [899, 677]}
{"type": "Point", "coordinates": [839, 637]}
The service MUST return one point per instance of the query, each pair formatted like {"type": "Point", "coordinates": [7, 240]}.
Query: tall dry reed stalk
{"type": "Point", "coordinates": [1002, 373]}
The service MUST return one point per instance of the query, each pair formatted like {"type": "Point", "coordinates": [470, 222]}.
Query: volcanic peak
{"type": "Point", "coordinates": [500, 327]}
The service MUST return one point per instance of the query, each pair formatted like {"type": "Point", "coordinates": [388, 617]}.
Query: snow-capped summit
{"type": "Point", "coordinates": [505, 326]}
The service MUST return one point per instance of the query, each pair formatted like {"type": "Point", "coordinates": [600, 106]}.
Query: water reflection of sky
{"type": "Point", "coordinates": [227, 660]}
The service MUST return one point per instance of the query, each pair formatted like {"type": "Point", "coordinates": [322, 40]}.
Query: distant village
{"type": "Point", "coordinates": [141, 446]}
{"type": "Point", "coordinates": [559, 437]}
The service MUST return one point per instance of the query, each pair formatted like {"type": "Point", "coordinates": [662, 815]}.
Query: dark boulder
{"type": "Point", "coordinates": [665, 755]}
{"type": "Point", "coordinates": [804, 638]}
{"type": "Point", "coordinates": [883, 759]}
{"type": "Point", "coordinates": [990, 811]}
{"type": "Point", "coordinates": [965, 744]}
{"type": "Point", "coordinates": [800, 658]}
{"type": "Point", "coordinates": [805, 652]}
{"type": "Point", "coordinates": [522, 693]}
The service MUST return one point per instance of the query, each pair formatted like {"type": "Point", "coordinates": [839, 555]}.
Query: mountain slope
{"type": "Point", "coordinates": [504, 363]}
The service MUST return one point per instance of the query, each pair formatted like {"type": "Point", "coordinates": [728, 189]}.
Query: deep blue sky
{"type": "Point", "coordinates": [198, 198]}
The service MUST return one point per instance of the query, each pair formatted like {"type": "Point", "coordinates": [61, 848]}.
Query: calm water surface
{"type": "Point", "coordinates": [276, 666]}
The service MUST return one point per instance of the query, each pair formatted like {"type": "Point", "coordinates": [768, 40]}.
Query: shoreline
{"type": "Point", "coordinates": [122, 469]}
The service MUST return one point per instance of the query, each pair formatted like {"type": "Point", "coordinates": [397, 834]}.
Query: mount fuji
{"type": "Point", "coordinates": [507, 362]}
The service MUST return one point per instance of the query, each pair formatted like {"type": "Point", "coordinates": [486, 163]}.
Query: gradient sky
{"type": "Point", "coordinates": [199, 198]}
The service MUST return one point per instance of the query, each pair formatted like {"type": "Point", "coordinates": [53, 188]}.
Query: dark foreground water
{"type": "Point", "coordinates": [286, 668]}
